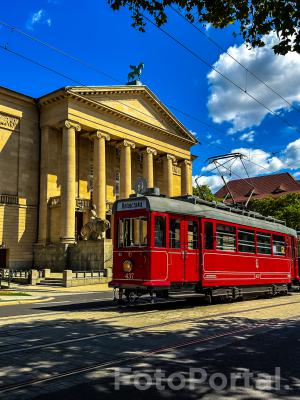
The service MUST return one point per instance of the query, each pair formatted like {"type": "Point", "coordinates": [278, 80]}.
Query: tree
{"type": "Point", "coordinates": [203, 192]}
{"type": "Point", "coordinates": [255, 18]}
{"type": "Point", "coordinates": [286, 208]}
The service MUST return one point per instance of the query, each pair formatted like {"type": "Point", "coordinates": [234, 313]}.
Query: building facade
{"type": "Point", "coordinates": [74, 149]}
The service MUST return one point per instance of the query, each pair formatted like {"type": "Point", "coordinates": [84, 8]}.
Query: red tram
{"type": "Point", "coordinates": [166, 245]}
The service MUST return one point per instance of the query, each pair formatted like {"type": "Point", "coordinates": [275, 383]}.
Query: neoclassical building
{"type": "Point", "coordinates": [73, 149]}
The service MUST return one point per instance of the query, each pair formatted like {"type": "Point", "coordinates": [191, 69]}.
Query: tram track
{"type": "Point", "coordinates": [131, 330]}
{"type": "Point", "coordinates": [4, 389]}
{"type": "Point", "coordinates": [123, 313]}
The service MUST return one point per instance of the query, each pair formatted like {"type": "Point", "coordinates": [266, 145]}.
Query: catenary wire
{"type": "Point", "coordinates": [5, 47]}
{"type": "Point", "coordinates": [233, 58]}
{"type": "Point", "coordinates": [198, 57]}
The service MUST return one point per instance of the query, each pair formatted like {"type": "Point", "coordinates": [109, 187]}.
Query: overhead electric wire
{"type": "Point", "coordinates": [80, 83]}
{"type": "Point", "coordinates": [57, 50]}
{"type": "Point", "coordinates": [90, 66]}
{"type": "Point", "coordinates": [198, 57]}
{"type": "Point", "coordinates": [220, 47]}
{"type": "Point", "coordinates": [6, 48]}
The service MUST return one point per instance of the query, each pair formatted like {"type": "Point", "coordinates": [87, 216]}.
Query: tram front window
{"type": "Point", "coordinates": [132, 232]}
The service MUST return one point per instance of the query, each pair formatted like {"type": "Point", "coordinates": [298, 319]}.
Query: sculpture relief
{"type": "Point", "coordinates": [6, 121]}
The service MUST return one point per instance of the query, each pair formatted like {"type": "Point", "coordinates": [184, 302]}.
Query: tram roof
{"type": "Point", "coordinates": [186, 206]}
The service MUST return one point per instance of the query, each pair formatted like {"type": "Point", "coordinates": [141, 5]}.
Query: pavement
{"type": "Point", "coordinates": [245, 350]}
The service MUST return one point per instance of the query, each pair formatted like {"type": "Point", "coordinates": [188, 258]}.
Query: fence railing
{"type": "Point", "coordinates": [9, 276]}
{"type": "Point", "coordinates": [90, 274]}
{"type": "Point", "coordinates": [9, 199]}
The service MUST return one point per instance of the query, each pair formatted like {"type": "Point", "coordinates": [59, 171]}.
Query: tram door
{"type": "Point", "coordinates": [176, 265]}
{"type": "Point", "coordinates": [183, 249]}
{"type": "Point", "coordinates": [191, 249]}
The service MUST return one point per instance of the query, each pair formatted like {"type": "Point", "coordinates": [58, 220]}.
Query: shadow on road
{"type": "Point", "coordinates": [223, 346]}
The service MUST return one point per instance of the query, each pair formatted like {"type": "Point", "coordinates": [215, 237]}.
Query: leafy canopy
{"type": "Point", "coordinates": [203, 192]}
{"type": "Point", "coordinates": [255, 18]}
{"type": "Point", "coordinates": [286, 208]}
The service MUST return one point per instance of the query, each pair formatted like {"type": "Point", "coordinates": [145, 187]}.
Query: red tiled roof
{"type": "Point", "coordinates": [264, 186]}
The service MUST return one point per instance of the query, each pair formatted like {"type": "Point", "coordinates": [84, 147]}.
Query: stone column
{"type": "Point", "coordinates": [125, 168]}
{"type": "Point", "coordinates": [99, 171]}
{"type": "Point", "coordinates": [148, 154]}
{"type": "Point", "coordinates": [168, 161]}
{"type": "Point", "coordinates": [43, 206]}
{"type": "Point", "coordinates": [68, 178]}
{"type": "Point", "coordinates": [186, 178]}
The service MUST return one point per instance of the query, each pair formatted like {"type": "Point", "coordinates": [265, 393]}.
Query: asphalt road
{"type": "Point", "coordinates": [69, 301]}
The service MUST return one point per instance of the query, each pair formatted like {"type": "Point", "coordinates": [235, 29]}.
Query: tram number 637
{"type": "Point", "coordinates": [129, 275]}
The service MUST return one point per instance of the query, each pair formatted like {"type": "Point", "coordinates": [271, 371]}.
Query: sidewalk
{"type": "Point", "coordinates": [38, 293]}
{"type": "Point", "coordinates": [38, 289]}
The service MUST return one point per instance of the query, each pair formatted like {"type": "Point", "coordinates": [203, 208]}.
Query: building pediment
{"type": "Point", "coordinates": [135, 103]}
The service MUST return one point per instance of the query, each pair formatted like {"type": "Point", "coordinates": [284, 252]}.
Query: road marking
{"type": "Point", "coordinates": [54, 302]}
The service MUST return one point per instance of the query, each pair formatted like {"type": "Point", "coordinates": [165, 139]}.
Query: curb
{"type": "Point", "coordinates": [17, 302]}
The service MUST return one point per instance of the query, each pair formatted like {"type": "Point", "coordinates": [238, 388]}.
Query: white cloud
{"type": "Point", "coordinates": [214, 182]}
{"type": "Point", "coordinates": [247, 136]}
{"type": "Point", "coordinates": [226, 103]}
{"type": "Point", "coordinates": [257, 162]}
{"type": "Point", "coordinates": [38, 17]}
{"type": "Point", "coordinates": [291, 155]}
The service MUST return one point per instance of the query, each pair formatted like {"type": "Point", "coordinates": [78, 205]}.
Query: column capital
{"type": "Point", "coordinates": [99, 135]}
{"type": "Point", "coordinates": [70, 124]}
{"type": "Point", "coordinates": [148, 150]}
{"type": "Point", "coordinates": [126, 143]}
{"type": "Point", "coordinates": [170, 157]}
{"type": "Point", "coordinates": [185, 162]}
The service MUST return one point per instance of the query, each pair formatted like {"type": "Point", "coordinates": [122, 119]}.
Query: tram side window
{"type": "Point", "coordinates": [174, 233]}
{"type": "Point", "coordinates": [226, 238]}
{"type": "Point", "coordinates": [208, 236]}
{"type": "Point", "coordinates": [278, 245]}
{"type": "Point", "coordinates": [160, 231]}
{"type": "Point", "coordinates": [263, 243]}
{"type": "Point", "coordinates": [246, 241]}
{"type": "Point", "coordinates": [192, 235]}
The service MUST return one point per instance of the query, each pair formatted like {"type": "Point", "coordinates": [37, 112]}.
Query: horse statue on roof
{"type": "Point", "coordinates": [136, 72]}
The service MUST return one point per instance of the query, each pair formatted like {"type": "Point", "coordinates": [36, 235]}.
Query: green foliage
{"type": "Point", "coordinates": [286, 208]}
{"type": "Point", "coordinates": [203, 192]}
{"type": "Point", "coordinates": [255, 17]}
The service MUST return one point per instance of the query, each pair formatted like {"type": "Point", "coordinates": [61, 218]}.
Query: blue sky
{"type": "Point", "coordinates": [93, 32]}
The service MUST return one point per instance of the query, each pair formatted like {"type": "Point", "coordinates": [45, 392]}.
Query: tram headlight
{"type": "Point", "coordinates": [127, 266]}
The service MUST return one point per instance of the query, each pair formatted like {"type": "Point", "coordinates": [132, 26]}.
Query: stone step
{"type": "Point", "coordinates": [45, 283]}
{"type": "Point", "coordinates": [52, 279]}
{"type": "Point", "coordinates": [51, 282]}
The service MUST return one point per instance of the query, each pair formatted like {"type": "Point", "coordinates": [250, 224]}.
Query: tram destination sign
{"type": "Point", "coordinates": [131, 205]}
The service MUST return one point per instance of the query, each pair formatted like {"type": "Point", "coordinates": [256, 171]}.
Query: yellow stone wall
{"type": "Point", "coordinates": [18, 232]}
{"type": "Point", "coordinates": [19, 166]}
{"type": "Point", "coordinates": [54, 164]}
